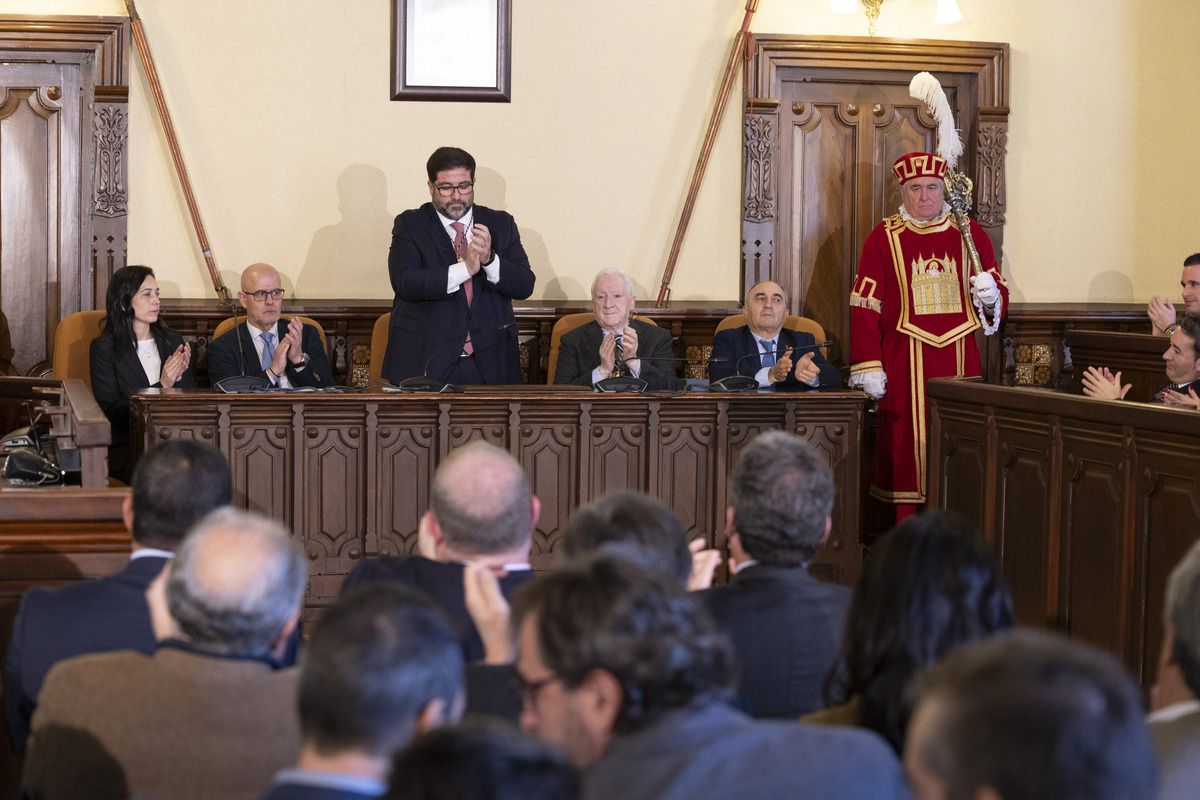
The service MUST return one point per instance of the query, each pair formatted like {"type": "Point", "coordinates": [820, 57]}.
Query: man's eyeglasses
{"type": "Point", "coordinates": [462, 188]}
{"type": "Point", "coordinates": [531, 689]}
{"type": "Point", "coordinates": [262, 294]}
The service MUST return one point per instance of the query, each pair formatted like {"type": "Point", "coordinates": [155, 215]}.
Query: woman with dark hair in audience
{"type": "Point", "coordinates": [134, 350]}
{"type": "Point", "coordinates": [929, 586]}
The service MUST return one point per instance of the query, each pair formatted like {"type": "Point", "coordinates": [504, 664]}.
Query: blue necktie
{"type": "Point", "coordinates": [768, 358]}
{"type": "Point", "coordinates": [268, 340]}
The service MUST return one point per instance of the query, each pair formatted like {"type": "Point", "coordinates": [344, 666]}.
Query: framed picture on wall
{"type": "Point", "coordinates": [457, 50]}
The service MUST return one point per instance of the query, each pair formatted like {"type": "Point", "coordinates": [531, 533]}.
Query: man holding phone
{"type": "Point", "coordinates": [765, 350]}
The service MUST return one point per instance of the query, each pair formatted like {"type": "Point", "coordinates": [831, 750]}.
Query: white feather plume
{"type": "Point", "coordinates": [925, 87]}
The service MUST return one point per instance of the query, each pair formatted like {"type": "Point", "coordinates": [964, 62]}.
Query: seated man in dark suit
{"type": "Point", "coordinates": [209, 713]}
{"type": "Point", "coordinates": [762, 349]}
{"type": "Point", "coordinates": [785, 624]}
{"type": "Point", "coordinates": [174, 485]}
{"type": "Point", "coordinates": [481, 511]}
{"type": "Point", "coordinates": [624, 670]}
{"type": "Point", "coordinates": [614, 344]}
{"type": "Point", "coordinates": [1183, 370]}
{"type": "Point", "coordinates": [286, 356]}
{"type": "Point", "coordinates": [382, 666]}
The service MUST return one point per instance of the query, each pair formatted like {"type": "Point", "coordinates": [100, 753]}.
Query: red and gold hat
{"type": "Point", "coordinates": [919, 165]}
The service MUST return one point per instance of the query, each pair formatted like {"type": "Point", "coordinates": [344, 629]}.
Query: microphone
{"type": "Point", "coordinates": [748, 383]}
{"type": "Point", "coordinates": [424, 384]}
{"type": "Point", "coordinates": [241, 382]}
{"type": "Point", "coordinates": [628, 383]}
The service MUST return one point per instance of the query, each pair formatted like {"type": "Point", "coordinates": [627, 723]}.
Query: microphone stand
{"type": "Point", "coordinates": [423, 384]}
{"type": "Point", "coordinates": [237, 384]}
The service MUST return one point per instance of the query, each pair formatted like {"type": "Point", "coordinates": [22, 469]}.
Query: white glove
{"type": "Point", "coordinates": [983, 286]}
{"type": "Point", "coordinates": [873, 383]}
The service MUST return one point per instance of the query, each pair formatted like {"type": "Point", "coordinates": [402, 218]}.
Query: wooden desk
{"type": "Point", "coordinates": [1137, 356]}
{"type": "Point", "coordinates": [1089, 503]}
{"type": "Point", "coordinates": [350, 473]}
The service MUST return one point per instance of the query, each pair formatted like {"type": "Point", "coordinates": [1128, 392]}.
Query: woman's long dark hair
{"type": "Point", "coordinates": [931, 584]}
{"type": "Point", "coordinates": [118, 307]}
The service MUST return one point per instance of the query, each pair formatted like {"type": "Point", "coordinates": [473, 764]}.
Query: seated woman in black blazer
{"type": "Point", "coordinates": [135, 350]}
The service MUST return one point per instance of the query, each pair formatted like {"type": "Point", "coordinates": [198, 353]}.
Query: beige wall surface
{"type": "Point", "coordinates": [300, 159]}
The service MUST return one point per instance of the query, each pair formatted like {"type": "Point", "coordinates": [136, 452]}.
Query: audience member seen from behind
{"type": "Point", "coordinates": [634, 526]}
{"type": "Point", "coordinates": [1029, 716]}
{"type": "Point", "coordinates": [1175, 718]}
{"type": "Point", "coordinates": [209, 713]}
{"type": "Point", "coordinates": [785, 624]}
{"type": "Point", "coordinates": [622, 668]}
{"type": "Point", "coordinates": [930, 585]}
{"type": "Point", "coordinates": [481, 760]}
{"type": "Point", "coordinates": [134, 351]}
{"type": "Point", "coordinates": [175, 484]}
{"type": "Point", "coordinates": [382, 665]}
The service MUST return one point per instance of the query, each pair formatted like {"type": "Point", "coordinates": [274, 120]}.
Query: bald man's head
{"type": "Point", "coordinates": [261, 295]}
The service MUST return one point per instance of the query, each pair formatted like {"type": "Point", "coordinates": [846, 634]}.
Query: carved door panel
{"type": "Point", "coordinates": [41, 181]}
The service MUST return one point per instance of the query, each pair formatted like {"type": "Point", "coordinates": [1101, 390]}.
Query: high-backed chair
{"type": "Point", "coordinates": [226, 325]}
{"type": "Point", "coordinates": [793, 322]}
{"type": "Point", "coordinates": [379, 337]}
{"type": "Point", "coordinates": [72, 344]}
{"type": "Point", "coordinates": [567, 324]}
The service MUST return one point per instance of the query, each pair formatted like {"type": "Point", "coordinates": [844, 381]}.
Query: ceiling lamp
{"type": "Point", "coordinates": [947, 11]}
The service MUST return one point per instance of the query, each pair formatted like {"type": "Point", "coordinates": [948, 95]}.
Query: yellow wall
{"type": "Point", "coordinates": [299, 158]}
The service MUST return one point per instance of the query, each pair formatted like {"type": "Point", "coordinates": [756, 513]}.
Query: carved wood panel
{"type": "Point", "coordinates": [63, 157]}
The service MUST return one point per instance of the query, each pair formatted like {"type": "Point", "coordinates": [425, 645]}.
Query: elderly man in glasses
{"type": "Point", "coordinates": [287, 354]}
{"type": "Point", "coordinates": [456, 268]}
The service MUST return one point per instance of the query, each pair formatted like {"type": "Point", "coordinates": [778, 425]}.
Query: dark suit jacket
{"type": "Point", "coordinates": [786, 627]}
{"type": "Point", "coordinates": [304, 791]}
{"type": "Point", "coordinates": [428, 326]}
{"type": "Point", "coordinates": [85, 617]}
{"type": "Point", "coordinates": [442, 582]}
{"type": "Point", "coordinates": [740, 351]}
{"type": "Point", "coordinates": [579, 354]}
{"type": "Point", "coordinates": [223, 358]}
{"type": "Point", "coordinates": [115, 376]}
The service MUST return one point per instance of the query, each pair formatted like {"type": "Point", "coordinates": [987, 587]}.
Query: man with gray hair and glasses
{"type": "Point", "coordinates": [1175, 717]}
{"type": "Point", "coordinates": [209, 713]}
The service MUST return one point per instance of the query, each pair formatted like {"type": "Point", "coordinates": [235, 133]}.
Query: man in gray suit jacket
{"type": "Point", "coordinates": [620, 667]}
{"type": "Point", "coordinates": [589, 353]}
{"type": "Point", "coordinates": [174, 485]}
{"type": "Point", "coordinates": [1175, 720]}
{"type": "Point", "coordinates": [209, 713]}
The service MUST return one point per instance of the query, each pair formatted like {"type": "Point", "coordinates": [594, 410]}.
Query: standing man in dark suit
{"type": "Point", "coordinates": [481, 511]}
{"type": "Point", "coordinates": [456, 268]}
{"type": "Point", "coordinates": [286, 356]}
{"type": "Point", "coordinates": [785, 624]}
{"type": "Point", "coordinates": [174, 485]}
{"type": "Point", "coordinates": [589, 353]}
{"type": "Point", "coordinates": [762, 349]}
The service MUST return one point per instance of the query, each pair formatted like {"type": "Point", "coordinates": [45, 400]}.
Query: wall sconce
{"type": "Point", "coordinates": [947, 11]}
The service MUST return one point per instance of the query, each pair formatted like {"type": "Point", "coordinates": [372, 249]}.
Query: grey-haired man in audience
{"type": "Point", "coordinates": [210, 713]}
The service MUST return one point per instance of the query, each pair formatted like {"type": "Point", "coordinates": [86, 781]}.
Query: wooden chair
{"type": "Point", "coordinates": [379, 338]}
{"type": "Point", "coordinates": [72, 345]}
{"type": "Point", "coordinates": [793, 322]}
{"type": "Point", "coordinates": [567, 324]}
{"type": "Point", "coordinates": [226, 325]}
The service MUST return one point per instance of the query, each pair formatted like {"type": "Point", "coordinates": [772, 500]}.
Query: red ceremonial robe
{"type": "Point", "coordinates": [912, 315]}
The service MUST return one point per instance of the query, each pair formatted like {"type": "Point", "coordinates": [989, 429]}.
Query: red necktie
{"type": "Point", "coordinates": [460, 249]}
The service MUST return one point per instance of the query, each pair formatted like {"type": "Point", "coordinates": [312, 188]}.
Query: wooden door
{"type": "Point", "coordinates": [63, 150]}
{"type": "Point", "coordinates": [41, 192]}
